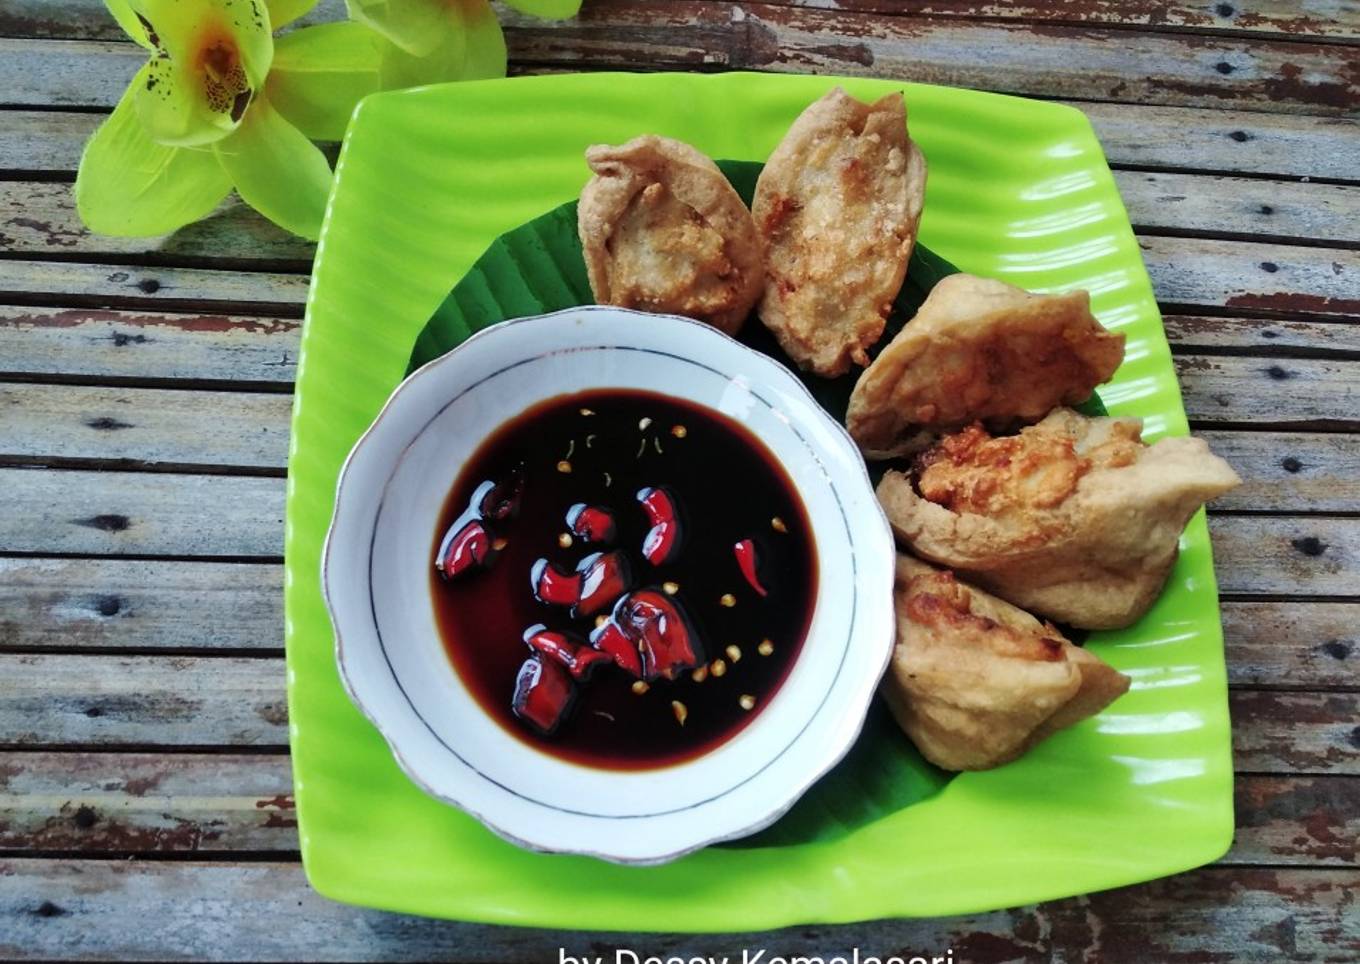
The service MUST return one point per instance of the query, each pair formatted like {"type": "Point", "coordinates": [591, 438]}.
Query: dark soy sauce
{"type": "Point", "coordinates": [601, 450]}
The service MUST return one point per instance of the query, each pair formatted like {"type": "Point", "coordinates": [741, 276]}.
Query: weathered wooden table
{"type": "Point", "coordinates": [145, 806]}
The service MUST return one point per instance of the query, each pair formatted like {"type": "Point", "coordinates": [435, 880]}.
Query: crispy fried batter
{"type": "Point", "coordinates": [662, 230]}
{"type": "Point", "coordinates": [980, 350]}
{"type": "Point", "coordinates": [975, 682]}
{"type": "Point", "coordinates": [1074, 518]}
{"type": "Point", "coordinates": [836, 208]}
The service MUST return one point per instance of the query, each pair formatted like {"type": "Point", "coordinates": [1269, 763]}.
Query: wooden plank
{"type": "Point", "coordinates": [136, 513]}
{"type": "Point", "coordinates": [1287, 145]}
{"type": "Point", "coordinates": [116, 701]}
{"type": "Point", "coordinates": [145, 803]}
{"type": "Point", "coordinates": [1290, 471]}
{"type": "Point", "coordinates": [98, 285]}
{"type": "Point", "coordinates": [1297, 733]}
{"type": "Point", "coordinates": [1292, 645]}
{"type": "Point", "coordinates": [142, 700]}
{"type": "Point", "coordinates": [1286, 555]}
{"type": "Point", "coordinates": [1158, 201]}
{"type": "Point", "coordinates": [1299, 391]}
{"type": "Point", "coordinates": [84, 910]}
{"type": "Point", "coordinates": [126, 604]}
{"type": "Point", "coordinates": [134, 803]}
{"type": "Point", "coordinates": [147, 427]}
{"type": "Point", "coordinates": [144, 426]}
{"type": "Point", "coordinates": [147, 344]}
{"type": "Point", "coordinates": [131, 513]}
{"type": "Point", "coordinates": [129, 604]}
{"type": "Point", "coordinates": [1339, 21]}
{"type": "Point", "coordinates": [1264, 277]}
{"type": "Point", "coordinates": [40, 140]}
{"type": "Point", "coordinates": [1048, 60]}
{"type": "Point", "coordinates": [1185, 271]}
{"type": "Point", "coordinates": [1260, 336]}
{"type": "Point", "coordinates": [86, 20]}
{"type": "Point", "coordinates": [38, 218]}
{"type": "Point", "coordinates": [1044, 60]}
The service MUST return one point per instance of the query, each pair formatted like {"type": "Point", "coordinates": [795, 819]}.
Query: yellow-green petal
{"type": "Point", "coordinates": [211, 58]}
{"type": "Point", "coordinates": [190, 31]}
{"type": "Point", "coordinates": [129, 185]}
{"type": "Point", "coordinates": [320, 73]}
{"type": "Point", "coordinates": [277, 170]}
{"type": "Point", "coordinates": [127, 19]}
{"type": "Point", "coordinates": [473, 48]}
{"type": "Point", "coordinates": [283, 12]}
{"type": "Point", "coordinates": [547, 9]}
{"type": "Point", "coordinates": [416, 26]}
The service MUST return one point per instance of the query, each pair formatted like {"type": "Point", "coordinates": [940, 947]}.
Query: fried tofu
{"type": "Point", "coordinates": [1074, 519]}
{"type": "Point", "coordinates": [980, 350]}
{"type": "Point", "coordinates": [837, 207]}
{"type": "Point", "coordinates": [975, 682]}
{"type": "Point", "coordinates": [662, 230]}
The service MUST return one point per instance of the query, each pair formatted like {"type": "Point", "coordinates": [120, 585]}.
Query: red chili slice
{"type": "Point", "coordinates": [580, 660]}
{"type": "Point", "coordinates": [591, 523]}
{"type": "Point", "coordinates": [609, 639]}
{"type": "Point", "coordinates": [499, 501]}
{"type": "Point", "coordinates": [662, 633]}
{"type": "Point", "coordinates": [749, 564]}
{"type": "Point", "coordinates": [604, 578]}
{"type": "Point", "coordinates": [466, 547]}
{"type": "Point", "coordinates": [553, 586]}
{"type": "Point", "coordinates": [662, 541]}
{"type": "Point", "coordinates": [544, 694]}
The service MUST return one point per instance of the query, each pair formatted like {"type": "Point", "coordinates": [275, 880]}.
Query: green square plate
{"type": "Point", "coordinates": [1019, 190]}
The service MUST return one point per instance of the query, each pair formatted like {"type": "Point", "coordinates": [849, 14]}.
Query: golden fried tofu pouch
{"type": "Point", "coordinates": [975, 682]}
{"type": "Point", "coordinates": [836, 207]}
{"type": "Point", "coordinates": [1074, 519]}
{"type": "Point", "coordinates": [980, 350]}
{"type": "Point", "coordinates": [662, 230]}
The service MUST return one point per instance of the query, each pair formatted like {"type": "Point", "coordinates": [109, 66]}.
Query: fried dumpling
{"type": "Point", "coordinates": [662, 230]}
{"type": "Point", "coordinates": [975, 682]}
{"type": "Point", "coordinates": [836, 208]}
{"type": "Point", "coordinates": [1074, 519]}
{"type": "Point", "coordinates": [980, 350]}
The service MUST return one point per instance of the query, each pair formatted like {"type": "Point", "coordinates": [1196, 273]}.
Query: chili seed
{"type": "Point", "coordinates": [499, 544]}
{"type": "Point", "coordinates": [718, 668]}
{"type": "Point", "coordinates": [681, 713]}
{"type": "Point", "coordinates": [640, 687]}
{"type": "Point", "coordinates": [777, 524]}
{"type": "Point", "coordinates": [734, 653]}
{"type": "Point", "coordinates": [728, 600]}
{"type": "Point", "coordinates": [586, 411]}
{"type": "Point", "coordinates": [564, 467]}
{"type": "Point", "coordinates": [700, 674]}
{"type": "Point", "coordinates": [671, 588]}
{"type": "Point", "coordinates": [679, 431]}
{"type": "Point", "coordinates": [747, 701]}
{"type": "Point", "coordinates": [564, 540]}
{"type": "Point", "coordinates": [765, 648]}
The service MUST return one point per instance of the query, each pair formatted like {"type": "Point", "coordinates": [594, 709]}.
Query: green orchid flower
{"type": "Point", "coordinates": [222, 104]}
{"type": "Point", "coordinates": [428, 41]}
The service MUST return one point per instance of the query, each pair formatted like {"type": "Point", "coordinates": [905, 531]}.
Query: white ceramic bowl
{"type": "Point", "coordinates": [375, 578]}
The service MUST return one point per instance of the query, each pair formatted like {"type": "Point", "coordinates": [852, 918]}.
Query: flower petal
{"type": "Point", "coordinates": [276, 170]}
{"type": "Point", "coordinates": [127, 19]}
{"type": "Point", "coordinates": [283, 12]}
{"type": "Point", "coordinates": [547, 9]}
{"type": "Point", "coordinates": [320, 73]}
{"type": "Point", "coordinates": [131, 186]}
{"type": "Point", "coordinates": [416, 26]}
{"type": "Point", "coordinates": [472, 48]}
